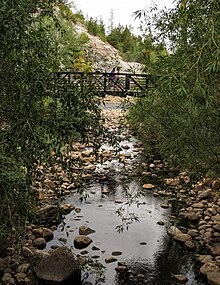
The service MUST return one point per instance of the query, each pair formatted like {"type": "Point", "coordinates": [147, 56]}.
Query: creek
{"type": "Point", "coordinates": [128, 226]}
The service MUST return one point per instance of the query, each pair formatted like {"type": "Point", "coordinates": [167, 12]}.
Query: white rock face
{"type": "Point", "coordinates": [105, 56]}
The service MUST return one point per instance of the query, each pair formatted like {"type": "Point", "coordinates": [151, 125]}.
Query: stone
{"type": "Point", "coordinates": [215, 249]}
{"type": "Point", "coordinates": [190, 245]}
{"type": "Point", "coordinates": [110, 259]}
{"type": "Point", "coordinates": [10, 251]}
{"type": "Point", "coordinates": [40, 243]}
{"type": "Point", "coordinates": [60, 265]}
{"type": "Point", "coordinates": [116, 253]}
{"type": "Point", "coordinates": [209, 266]}
{"type": "Point", "coordinates": [20, 277]}
{"type": "Point", "coordinates": [148, 186]}
{"type": "Point", "coordinates": [213, 278]}
{"type": "Point", "coordinates": [217, 226]}
{"type": "Point", "coordinates": [95, 248]}
{"type": "Point", "coordinates": [191, 216]}
{"type": "Point", "coordinates": [77, 210]}
{"type": "Point", "coordinates": [37, 233]}
{"type": "Point", "coordinates": [121, 268]}
{"type": "Point", "coordinates": [216, 184]}
{"type": "Point", "coordinates": [83, 230]}
{"type": "Point", "coordinates": [164, 205]}
{"type": "Point", "coordinates": [205, 258]}
{"type": "Point", "coordinates": [48, 234]}
{"type": "Point", "coordinates": [182, 238]}
{"type": "Point", "coordinates": [180, 278]}
{"type": "Point", "coordinates": [82, 241]}
{"type": "Point", "coordinates": [205, 194]}
{"type": "Point", "coordinates": [67, 208]}
{"type": "Point", "coordinates": [6, 278]}
{"type": "Point", "coordinates": [23, 268]}
{"type": "Point", "coordinates": [172, 231]}
{"type": "Point", "coordinates": [193, 233]}
{"type": "Point", "coordinates": [26, 252]}
{"type": "Point", "coordinates": [48, 212]}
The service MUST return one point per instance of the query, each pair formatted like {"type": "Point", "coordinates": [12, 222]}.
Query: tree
{"type": "Point", "coordinates": [39, 114]}
{"type": "Point", "coordinates": [183, 109]}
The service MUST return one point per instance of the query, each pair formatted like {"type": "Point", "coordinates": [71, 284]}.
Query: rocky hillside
{"type": "Point", "coordinates": [105, 56]}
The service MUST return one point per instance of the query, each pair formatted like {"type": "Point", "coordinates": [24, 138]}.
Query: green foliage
{"type": "Point", "coordinates": [38, 112]}
{"type": "Point", "coordinates": [182, 110]}
{"type": "Point", "coordinates": [128, 44]}
{"type": "Point", "coordinates": [14, 195]}
{"type": "Point", "coordinates": [96, 28]}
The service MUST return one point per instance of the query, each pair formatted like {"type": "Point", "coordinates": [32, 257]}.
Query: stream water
{"type": "Point", "coordinates": [143, 244]}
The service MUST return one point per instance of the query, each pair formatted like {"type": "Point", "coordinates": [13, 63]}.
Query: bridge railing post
{"type": "Point", "coordinates": [127, 82]}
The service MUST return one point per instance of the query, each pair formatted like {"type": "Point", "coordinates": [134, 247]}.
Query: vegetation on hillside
{"type": "Point", "coordinates": [181, 114]}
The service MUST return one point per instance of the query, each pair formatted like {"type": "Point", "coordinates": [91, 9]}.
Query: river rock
{"type": "Point", "coordinates": [7, 278]}
{"type": "Point", "coordinates": [48, 212]}
{"type": "Point", "coordinates": [190, 245]}
{"type": "Point", "coordinates": [182, 238]}
{"type": "Point", "coordinates": [26, 252]}
{"type": "Point", "coordinates": [82, 241]}
{"type": "Point", "coordinates": [205, 258]}
{"type": "Point", "coordinates": [83, 230]}
{"type": "Point", "coordinates": [213, 278]}
{"type": "Point", "coordinates": [148, 186]}
{"type": "Point", "coordinates": [23, 268]}
{"type": "Point", "coordinates": [67, 208]}
{"type": "Point", "coordinates": [121, 269]}
{"type": "Point", "coordinates": [39, 243]}
{"type": "Point", "coordinates": [47, 234]}
{"type": "Point", "coordinates": [180, 278]}
{"type": "Point", "coordinates": [60, 265]}
{"type": "Point", "coordinates": [205, 194]}
{"type": "Point", "coordinates": [110, 259]}
{"type": "Point", "coordinates": [172, 231]}
{"type": "Point", "coordinates": [216, 184]}
{"type": "Point", "coordinates": [215, 249]}
{"type": "Point", "coordinates": [191, 216]}
{"type": "Point", "coordinates": [217, 226]}
{"type": "Point", "coordinates": [21, 278]}
{"type": "Point", "coordinates": [116, 253]}
{"type": "Point", "coordinates": [209, 266]}
{"type": "Point", "coordinates": [37, 233]}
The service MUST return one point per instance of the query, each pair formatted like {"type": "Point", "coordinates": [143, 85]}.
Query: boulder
{"type": "Point", "coordinates": [82, 241]}
{"type": "Point", "coordinates": [59, 267]}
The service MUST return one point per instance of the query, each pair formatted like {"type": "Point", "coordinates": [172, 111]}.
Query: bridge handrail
{"type": "Point", "coordinates": [126, 82]}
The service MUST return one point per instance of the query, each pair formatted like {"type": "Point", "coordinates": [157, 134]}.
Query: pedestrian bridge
{"type": "Point", "coordinates": [124, 84]}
